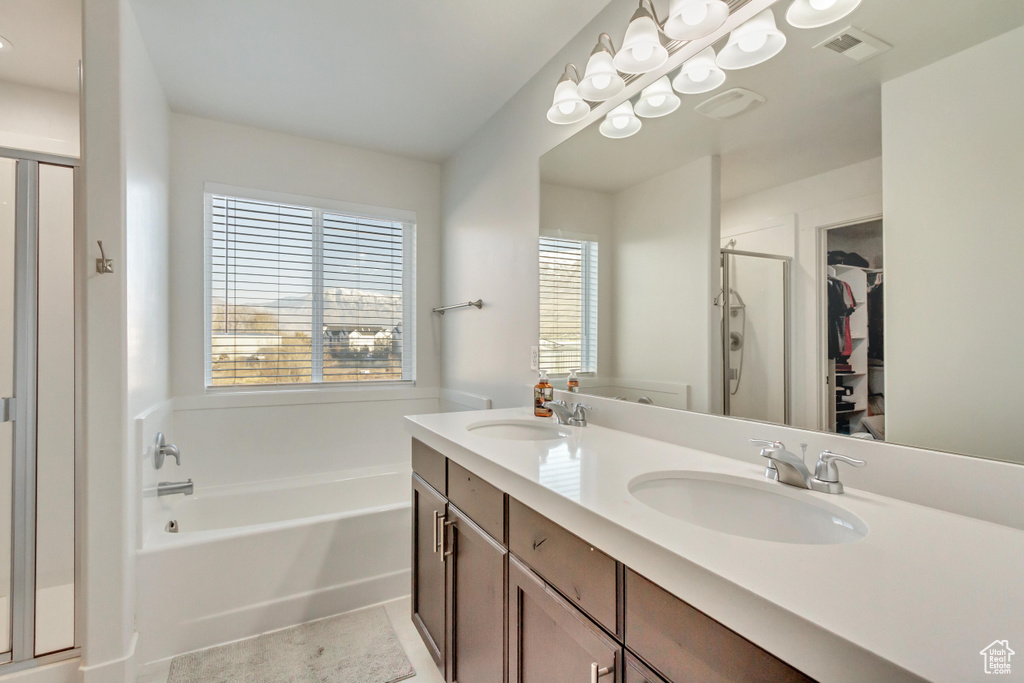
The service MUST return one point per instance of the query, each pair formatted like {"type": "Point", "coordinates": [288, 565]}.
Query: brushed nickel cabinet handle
{"type": "Point", "coordinates": [444, 540]}
{"type": "Point", "coordinates": [596, 672]}
{"type": "Point", "coordinates": [438, 516]}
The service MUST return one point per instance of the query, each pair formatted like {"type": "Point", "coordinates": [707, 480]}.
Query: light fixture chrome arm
{"type": "Point", "coordinates": [654, 13]}
{"type": "Point", "coordinates": [605, 43]}
{"type": "Point", "coordinates": [574, 76]}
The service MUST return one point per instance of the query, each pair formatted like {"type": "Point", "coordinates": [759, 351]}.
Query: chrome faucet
{"type": "Point", "coordinates": [790, 469]}
{"type": "Point", "coordinates": [561, 411]}
{"type": "Point", "coordinates": [161, 450]}
{"type": "Point", "coordinates": [169, 488]}
{"type": "Point", "coordinates": [573, 416]}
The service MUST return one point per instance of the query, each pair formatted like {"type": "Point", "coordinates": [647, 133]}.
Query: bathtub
{"type": "Point", "coordinates": [257, 557]}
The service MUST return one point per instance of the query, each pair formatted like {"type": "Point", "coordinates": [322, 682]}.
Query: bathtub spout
{"type": "Point", "coordinates": [168, 488]}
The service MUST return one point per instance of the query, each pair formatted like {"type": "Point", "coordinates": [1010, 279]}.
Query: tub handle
{"type": "Point", "coordinates": [438, 516]}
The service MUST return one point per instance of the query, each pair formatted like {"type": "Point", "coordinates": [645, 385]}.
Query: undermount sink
{"type": "Point", "coordinates": [519, 430]}
{"type": "Point", "coordinates": [742, 507]}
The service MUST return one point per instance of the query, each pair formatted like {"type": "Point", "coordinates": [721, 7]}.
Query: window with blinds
{"type": "Point", "coordinates": [568, 305]}
{"type": "Point", "coordinates": [306, 295]}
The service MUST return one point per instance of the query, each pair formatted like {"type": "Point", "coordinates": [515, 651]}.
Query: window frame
{"type": "Point", "coordinates": [590, 298]}
{"type": "Point", "coordinates": [320, 206]}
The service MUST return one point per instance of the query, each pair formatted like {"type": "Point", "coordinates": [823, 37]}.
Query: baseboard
{"type": "Point", "coordinates": [256, 619]}
{"type": "Point", "coordinates": [122, 669]}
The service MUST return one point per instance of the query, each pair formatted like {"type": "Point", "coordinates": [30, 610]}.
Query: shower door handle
{"type": "Point", "coordinates": [8, 408]}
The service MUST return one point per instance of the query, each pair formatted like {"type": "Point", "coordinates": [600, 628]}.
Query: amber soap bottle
{"type": "Point", "coordinates": [542, 393]}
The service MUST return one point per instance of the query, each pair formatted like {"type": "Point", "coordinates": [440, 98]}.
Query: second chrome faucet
{"type": "Point", "coordinates": [789, 469]}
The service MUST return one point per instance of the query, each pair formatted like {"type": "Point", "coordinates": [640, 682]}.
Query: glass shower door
{"type": "Point", "coordinates": [7, 306]}
{"type": "Point", "coordinates": [755, 336]}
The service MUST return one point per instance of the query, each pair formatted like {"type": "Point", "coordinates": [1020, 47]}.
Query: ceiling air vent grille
{"type": "Point", "coordinates": [856, 44]}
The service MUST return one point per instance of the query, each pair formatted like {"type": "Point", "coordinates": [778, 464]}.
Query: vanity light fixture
{"type": "Point", "coordinates": [693, 19]}
{"type": "Point", "coordinates": [621, 122]}
{"type": "Point", "coordinates": [816, 13]}
{"type": "Point", "coordinates": [700, 74]}
{"type": "Point", "coordinates": [568, 106]}
{"type": "Point", "coordinates": [753, 43]}
{"type": "Point", "coordinates": [657, 99]}
{"type": "Point", "coordinates": [641, 50]}
{"type": "Point", "coordinates": [601, 80]}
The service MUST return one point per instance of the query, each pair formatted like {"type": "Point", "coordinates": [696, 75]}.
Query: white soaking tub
{"type": "Point", "coordinates": [253, 558]}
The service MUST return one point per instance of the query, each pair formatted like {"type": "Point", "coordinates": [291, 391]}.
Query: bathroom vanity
{"type": "Point", "coordinates": [537, 556]}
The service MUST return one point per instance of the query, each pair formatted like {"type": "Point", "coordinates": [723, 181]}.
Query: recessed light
{"type": "Point", "coordinates": [5, 45]}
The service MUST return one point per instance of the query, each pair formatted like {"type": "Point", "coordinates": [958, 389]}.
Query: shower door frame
{"type": "Point", "coordinates": [24, 457]}
{"type": "Point", "coordinates": [787, 264]}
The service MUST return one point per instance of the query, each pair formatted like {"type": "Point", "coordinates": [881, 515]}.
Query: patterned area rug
{"type": "Point", "coordinates": [359, 647]}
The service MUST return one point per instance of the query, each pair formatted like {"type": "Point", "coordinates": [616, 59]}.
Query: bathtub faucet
{"type": "Point", "coordinates": [169, 488]}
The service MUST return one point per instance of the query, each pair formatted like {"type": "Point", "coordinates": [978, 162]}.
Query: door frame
{"type": "Point", "coordinates": [821, 318]}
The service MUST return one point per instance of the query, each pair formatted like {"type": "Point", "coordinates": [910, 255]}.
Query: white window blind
{"type": "Point", "coordinates": [568, 305]}
{"type": "Point", "coordinates": [299, 294]}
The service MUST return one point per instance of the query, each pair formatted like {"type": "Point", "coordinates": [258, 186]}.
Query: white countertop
{"type": "Point", "coordinates": [920, 596]}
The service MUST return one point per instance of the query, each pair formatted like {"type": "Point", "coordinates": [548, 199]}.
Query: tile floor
{"type": "Point", "coordinates": [398, 613]}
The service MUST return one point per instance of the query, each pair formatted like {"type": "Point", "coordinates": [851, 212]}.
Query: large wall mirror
{"type": "Point", "coordinates": [831, 239]}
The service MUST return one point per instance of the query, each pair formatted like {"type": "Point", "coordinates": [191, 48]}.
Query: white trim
{"type": "Point", "coordinates": [331, 205]}
{"type": "Point", "coordinates": [305, 396]}
{"type": "Point", "coordinates": [120, 669]}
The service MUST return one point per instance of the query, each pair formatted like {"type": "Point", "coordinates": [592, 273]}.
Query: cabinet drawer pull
{"type": "Point", "coordinates": [444, 540]}
{"type": "Point", "coordinates": [596, 672]}
{"type": "Point", "coordinates": [438, 516]}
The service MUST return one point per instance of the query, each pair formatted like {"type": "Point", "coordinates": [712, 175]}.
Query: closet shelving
{"type": "Point", "coordinates": [857, 278]}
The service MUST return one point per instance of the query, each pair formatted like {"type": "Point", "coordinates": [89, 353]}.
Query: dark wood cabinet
{"type": "Point", "coordinates": [550, 640]}
{"type": "Point", "coordinates": [502, 594]}
{"type": "Point", "coordinates": [686, 645]}
{"type": "Point", "coordinates": [428, 570]}
{"type": "Point", "coordinates": [477, 566]}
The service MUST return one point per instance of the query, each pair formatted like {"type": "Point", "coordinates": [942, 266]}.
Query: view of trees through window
{"type": "Point", "coordinates": [300, 295]}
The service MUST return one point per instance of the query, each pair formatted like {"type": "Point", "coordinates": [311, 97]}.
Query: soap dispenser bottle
{"type": "Point", "coordinates": [573, 383]}
{"type": "Point", "coordinates": [542, 393]}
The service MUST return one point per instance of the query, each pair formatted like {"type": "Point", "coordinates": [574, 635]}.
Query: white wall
{"type": "Point", "coordinates": [786, 220]}
{"type": "Point", "coordinates": [231, 437]}
{"type": "Point", "coordinates": [953, 246]}
{"type": "Point", "coordinates": [38, 119]}
{"type": "Point", "coordinates": [665, 267]}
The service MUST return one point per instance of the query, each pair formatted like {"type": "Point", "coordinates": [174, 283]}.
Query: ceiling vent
{"type": "Point", "coordinates": [856, 44]}
{"type": "Point", "coordinates": [731, 103]}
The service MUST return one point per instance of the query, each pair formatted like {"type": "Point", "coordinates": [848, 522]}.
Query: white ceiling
{"type": "Point", "coordinates": [410, 77]}
{"type": "Point", "coordinates": [47, 39]}
{"type": "Point", "coordinates": [823, 110]}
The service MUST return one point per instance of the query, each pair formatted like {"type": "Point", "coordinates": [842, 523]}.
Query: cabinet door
{"type": "Point", "coordinates": [550, 640]}
{"type": "Point", "coordinates": [638, 672]}
{"type": "Point", "coordinates": [428, 574]}
{"type": "Point", "coordinates": [476, 609]}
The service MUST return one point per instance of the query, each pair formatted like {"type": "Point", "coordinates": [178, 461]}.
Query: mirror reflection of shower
{"type": "Point", "coordinates": [754, 304]}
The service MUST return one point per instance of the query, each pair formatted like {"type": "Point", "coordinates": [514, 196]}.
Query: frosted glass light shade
{"type": "Point", "coordinates": [642, 50]}
{"type": "Point", "coordinates": [620, 122]}
{"type": "Point", "coordinates": [601, 80]}
{"type": "Point", "coordinates": [700, 74]}
{"type": "Point", "coordinates": [568, 106]}
{"type": "Point", "coordinates": [657, 99]}
{"type": "Point", "coordinates": [693, 19]}
{"type": "Point", "coordinates": [815, 13]}
{"type": "Point", "coordinates": [753, 43]}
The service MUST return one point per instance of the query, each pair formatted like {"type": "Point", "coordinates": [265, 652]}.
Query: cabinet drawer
{"type": "Point", "coordinates": [481, 502]}
{"type": "Point", "coordinates": [685, 644]}
{"type": "Point", "coordinates": [430, 465]}
{"type": "Point", "coordinates": [585, 575]}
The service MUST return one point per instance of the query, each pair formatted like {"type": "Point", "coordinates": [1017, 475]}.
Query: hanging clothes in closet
{"type": "Point", "coordinates": [841, 306]}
